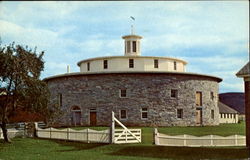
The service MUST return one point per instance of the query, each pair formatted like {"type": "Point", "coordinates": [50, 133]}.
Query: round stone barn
{"type": "Point", "coordinates": [141, 90]}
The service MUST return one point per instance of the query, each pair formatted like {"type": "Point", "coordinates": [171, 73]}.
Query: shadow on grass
{"type": "Point", "coordinates": [77, 146]}
{"type": "Point", "coordinates": [188, 153]}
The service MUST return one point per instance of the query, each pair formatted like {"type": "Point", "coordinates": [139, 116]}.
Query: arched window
{"type": "Point", "coordinates": [75, 108]}
{"type": "Point", "coordinates": [76, 117]}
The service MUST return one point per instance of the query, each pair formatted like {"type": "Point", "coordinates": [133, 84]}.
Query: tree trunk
{"type": "Point", "coordinates": [5, 134]}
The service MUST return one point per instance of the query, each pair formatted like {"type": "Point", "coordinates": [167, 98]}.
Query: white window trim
{"type": "Point", "coordinates": [120, 115]}
{"type": "Point", "coordinates": [120, 92]}
{"type": "Point", "coordinates": [144, 112]}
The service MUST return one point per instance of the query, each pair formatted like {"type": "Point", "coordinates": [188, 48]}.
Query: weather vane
{"type": "Point", "coordinates": [132, 27]}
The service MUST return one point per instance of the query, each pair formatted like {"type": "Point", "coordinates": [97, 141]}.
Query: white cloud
{"type": "Point", "coordinates": [33, 37]}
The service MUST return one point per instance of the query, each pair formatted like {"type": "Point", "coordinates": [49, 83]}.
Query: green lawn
{"type": "Point", "coordinates": [41, 149]}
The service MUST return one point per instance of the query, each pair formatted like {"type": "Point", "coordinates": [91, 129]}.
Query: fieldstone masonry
{"type": "Point", "coordinates": [151, 90]}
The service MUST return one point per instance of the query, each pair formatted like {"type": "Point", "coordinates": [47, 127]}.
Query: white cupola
{"type": "Point", "coordinates": [132, 44]}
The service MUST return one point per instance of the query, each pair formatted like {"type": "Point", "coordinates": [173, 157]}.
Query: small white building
{"type": "Point", "coordinates": [227, 114]}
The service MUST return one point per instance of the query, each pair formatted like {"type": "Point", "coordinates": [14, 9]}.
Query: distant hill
{"type": "Point", "coordinates": [234, 100]}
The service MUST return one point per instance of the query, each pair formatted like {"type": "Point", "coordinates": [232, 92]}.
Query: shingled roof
{"type": "Point", "coordinates": [225, 109]}
{"type": "Point", "coordinates": [244, 72]}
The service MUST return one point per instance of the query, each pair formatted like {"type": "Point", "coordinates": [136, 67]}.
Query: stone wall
{"type": "Point", "coordinates": [101, 91]}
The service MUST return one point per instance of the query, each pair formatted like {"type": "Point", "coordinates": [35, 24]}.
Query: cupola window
{"type": "Point", "coordinates": [128, 47]}
{"type": "Point", "coordinates": [134, 46]}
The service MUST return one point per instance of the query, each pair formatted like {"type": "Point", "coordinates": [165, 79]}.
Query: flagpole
{"type": "Point", "coordinates": [132, 26]}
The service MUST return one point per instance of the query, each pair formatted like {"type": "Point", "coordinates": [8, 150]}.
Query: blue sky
{"type": "Point", "coordinates": [213, 36]}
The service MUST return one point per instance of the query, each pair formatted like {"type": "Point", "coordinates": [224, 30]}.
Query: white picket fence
{"type": "Point", "coordinates": [116, 136]}
{"type": "Point", "coordinates": [111, 135]}
{"type": "Point", "coordinates": [85, 135]}
{"type": "Point", "coordinates": [193, 141]}
{"type": "Point", "coordinates": [12, 132]}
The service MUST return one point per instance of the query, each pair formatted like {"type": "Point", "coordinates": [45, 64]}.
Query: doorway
{"type": "Point", "coordinates": [76, 116]}
{"type": "Point", "coordinates": [92, 117]}
{"type": "Point", "coordinates": [198, 116]}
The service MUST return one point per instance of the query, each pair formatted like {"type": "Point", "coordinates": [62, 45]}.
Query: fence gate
{"type": "Point", "coordinates": [124, 135]}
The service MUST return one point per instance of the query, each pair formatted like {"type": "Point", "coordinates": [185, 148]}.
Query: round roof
{"type": "Point", "coordinates": [132, 36]}
{"type": "Point", "coordinates": [130, 72]}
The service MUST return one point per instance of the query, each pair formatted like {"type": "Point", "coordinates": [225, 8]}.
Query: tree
{"type": "Point", "coordinates": [20, 70]}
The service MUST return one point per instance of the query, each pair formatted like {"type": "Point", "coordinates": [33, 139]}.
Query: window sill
{"type": "Point", "coordinates": [123, 97]}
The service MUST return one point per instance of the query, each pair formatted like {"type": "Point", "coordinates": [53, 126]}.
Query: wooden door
{"type": "Point", "coordinates": [198, 116]}
{"type": "Point", "coordinates": [93, 118]}
{"type": "Point", "coordinates": [77, 118]}
{"type": "Point", "coordinates": [198, 98]}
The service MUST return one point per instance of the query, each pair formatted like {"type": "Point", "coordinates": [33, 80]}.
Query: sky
{"type": "Point", "coordinates": [212, 36]}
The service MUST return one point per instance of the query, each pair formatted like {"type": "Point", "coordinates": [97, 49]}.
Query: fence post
{"type": "Point", "coordinates": [185, 141]}
{"type": "Point", "coordinates": [67, 133]}
{"type": "Point", "coordinates": [156, 138]}
{"type": "Point", "coordinates": [211, 139]}
{"type": "Point", "coordinates": [36, 129]}
{"type": "Point", "coordinates": [236, 140]}
{"type": "Point", "coordinates": [112, 128]}
{"type": "Point", "coordinates": [87, 135]}
{"type": "Point", "coordinates": [50, 132]}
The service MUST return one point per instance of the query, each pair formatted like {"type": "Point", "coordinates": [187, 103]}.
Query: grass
{"type": "Point", "coordinates": [41, 149]}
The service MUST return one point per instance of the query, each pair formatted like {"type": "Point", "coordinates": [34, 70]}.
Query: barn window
{"type": "Point", "coordinates": [123, 114]}
{"type": "Point", "coordinates": [156, 63]}
{"type": "Point", "coordinates": [144, 113]}
{"type": "Point", "coordinates": [131, 63]}
{"type": "Point", "coordinates": [212, 95]}
{"type": "Point", "coordinates": [175, 66]}
{"type": "Point", "coordinates": [60, 99]}
{"type": "Point", "coordinates": [212, 114]}
{"type": "Point", "coordinates": [105, 64]}
{"type": "Point", "coordinates": [179, 113]}
{"type": "Point", "coordinates": [198, 97]}
{"type": "Point", "coordinates": [174, 93]}
{"type": "Point", "coordinates": [88, 66]}
{"type": "Point", "coordinates": [123, 93]}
